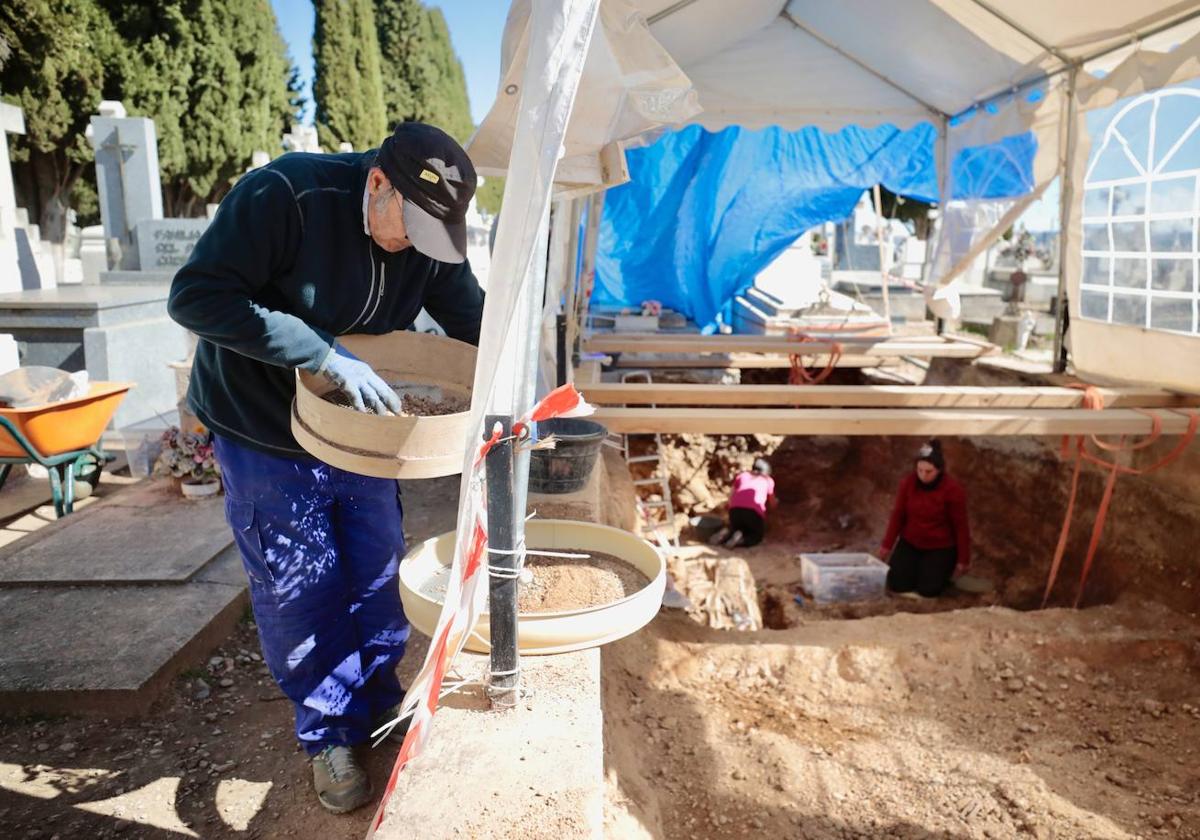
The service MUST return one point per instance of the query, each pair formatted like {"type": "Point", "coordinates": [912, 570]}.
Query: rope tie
{"type": "Point", "coordinates": [800, 373]}
{"type": "Point", "coordinates": [1075, 447]}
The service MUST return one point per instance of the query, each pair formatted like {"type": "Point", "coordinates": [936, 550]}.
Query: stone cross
{"type": "Point", "coordinates": [127, 179]}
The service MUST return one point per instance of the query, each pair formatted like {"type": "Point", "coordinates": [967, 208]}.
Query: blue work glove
{"type": "Point", "coordinates": [364, 387]}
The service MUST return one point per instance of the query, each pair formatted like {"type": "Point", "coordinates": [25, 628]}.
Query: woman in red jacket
{"type": "Point", "coordinates": [928, 540]}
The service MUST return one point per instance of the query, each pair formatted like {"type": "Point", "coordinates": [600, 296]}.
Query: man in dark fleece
{"type": "Point", "coordinates": [303, 250]}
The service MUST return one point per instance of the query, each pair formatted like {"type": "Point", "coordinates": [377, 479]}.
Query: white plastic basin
{"type": "Point", "coordinates": [545, 632]}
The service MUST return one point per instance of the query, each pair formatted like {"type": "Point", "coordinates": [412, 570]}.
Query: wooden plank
{"type": "Point", "coordinates": [885, 421]}
{"type": "Point", "coordinates": [922, 346]}
{"type": "Point", "coordinates": [877, 396]}
{"type": "Point", "coordinates": [749, 361]}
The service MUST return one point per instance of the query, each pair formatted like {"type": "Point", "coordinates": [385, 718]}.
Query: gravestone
{"type": "Point", "coordinates": [166, 244]}
{"type": "Point", "coordinates": [115, 331]}
{"type": "Point", "coordinates": [302, 138]}
{"type": "Point", "coordinates": [127, 177]}
{"type": "Point", "coordinates": [12, 121]}
{"type": "Point", "coordinates": [93, 255]}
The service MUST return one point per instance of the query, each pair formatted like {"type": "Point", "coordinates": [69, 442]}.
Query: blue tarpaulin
{"type": "Point", "coordinates": [703, 213]}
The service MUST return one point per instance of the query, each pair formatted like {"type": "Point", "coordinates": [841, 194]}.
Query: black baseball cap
{"type": "Point", "coordinates": [437, 180]}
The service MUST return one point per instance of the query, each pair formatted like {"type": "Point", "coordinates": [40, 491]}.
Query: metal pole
{"type": "Point", "coordinates": [1065, 197]}
{"type": "Point", "coordinates": [502, 586]}
{"type": "Point", "coordinates": [931, 252]}
{"type": "Point", "coordinates": [560, 326]}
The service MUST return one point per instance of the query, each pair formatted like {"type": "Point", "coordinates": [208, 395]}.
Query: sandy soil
{"type": "Point", "coordinates": [982, 723]}
{"type": "Point", "coordinates": [952, 718]}
{"type": "Point", "coordinates": [562, 583]}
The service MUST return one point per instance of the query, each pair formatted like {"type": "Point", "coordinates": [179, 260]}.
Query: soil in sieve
{"type": "Point", "coordinates": [412, 405]}
{"type": "Point", "coordinates": [561, 583]}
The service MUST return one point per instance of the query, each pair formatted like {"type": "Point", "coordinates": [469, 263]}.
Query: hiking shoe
{"type": "Point", "coordinates": [396, 736]}
{"type": "Point", "coordinates": [340, 783]}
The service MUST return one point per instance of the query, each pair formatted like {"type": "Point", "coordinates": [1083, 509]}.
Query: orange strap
{"type": "Point", "coordinates": [1092, 399]}
{"type": "Point", "coordinates": [800, 374]}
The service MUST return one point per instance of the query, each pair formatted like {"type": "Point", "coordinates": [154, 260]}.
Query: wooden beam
{"type": "Point", "coordinates": [923, 346]}
{"type": "Point", "coordinates": [750, 361]}
{"type": "Point", "coordinates": [877, 396]}
{"type": "Point", "coordinates": [885, 421]}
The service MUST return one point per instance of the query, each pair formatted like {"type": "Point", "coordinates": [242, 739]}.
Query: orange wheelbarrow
{"type": "Point", "coordinates": [64, 437]}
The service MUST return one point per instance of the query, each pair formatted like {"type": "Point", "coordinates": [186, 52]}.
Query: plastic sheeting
{"type": "Point", "coordinates": [704, 212]}
{"type": "Point", "coordinates": [1002, 158]}
{"type": "Point", "coordinates": [1130, 251]}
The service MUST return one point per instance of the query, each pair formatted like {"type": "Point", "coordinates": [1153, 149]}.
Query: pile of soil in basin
{"type": "Point", "coordinates": [562, 583]}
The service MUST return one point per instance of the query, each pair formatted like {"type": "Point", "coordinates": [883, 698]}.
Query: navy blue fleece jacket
{"type": "Point", "coordinates": [285, 268]}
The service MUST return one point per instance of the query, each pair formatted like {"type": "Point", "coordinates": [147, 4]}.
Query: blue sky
{"type": "Point", "coordinates": [475, 29]}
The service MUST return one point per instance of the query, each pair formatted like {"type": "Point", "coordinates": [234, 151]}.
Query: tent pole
{"type": "Point", "coordinates": [591, 238]}
{"type": "Point", "coordinates": [883, 272]}
{"type": "Point", "coordinates": [1066, 197]}
{"type": "Point", "coordinates": [943, 199]}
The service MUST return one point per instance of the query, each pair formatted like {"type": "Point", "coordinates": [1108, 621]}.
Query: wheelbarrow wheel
{"type": "Point", "coordinates": [87, 471]}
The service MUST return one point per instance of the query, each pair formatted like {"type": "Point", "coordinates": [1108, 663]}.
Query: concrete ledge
{"type": "Point", "coordinates": [534, 772]}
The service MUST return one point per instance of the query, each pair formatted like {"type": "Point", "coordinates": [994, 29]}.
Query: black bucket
{"type": "Point", "coordinates": [567, 467]}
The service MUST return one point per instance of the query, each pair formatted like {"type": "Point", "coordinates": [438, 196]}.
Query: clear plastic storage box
{"type": "Point", "coordinates": [843, 577]}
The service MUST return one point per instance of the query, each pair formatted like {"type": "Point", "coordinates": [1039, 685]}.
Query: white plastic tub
{"type": "Point", "coordinates": [830, 578]}
{"type": "Point", "coordinates": [544, 632]}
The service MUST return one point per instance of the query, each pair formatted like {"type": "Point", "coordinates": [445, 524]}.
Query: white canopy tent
{"type": "Point", "coordinates": [979, 70]}
{"type": "Point", "coordinates": [582, 78]}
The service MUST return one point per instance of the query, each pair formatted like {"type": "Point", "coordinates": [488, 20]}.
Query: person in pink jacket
{"type": "Point", "coordinates": [753, 494]}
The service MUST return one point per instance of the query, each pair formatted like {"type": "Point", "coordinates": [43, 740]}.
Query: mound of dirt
{"type": "Point", "coordinates": [968, 724]}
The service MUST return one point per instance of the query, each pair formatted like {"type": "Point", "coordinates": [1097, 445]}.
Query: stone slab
{"type": "Point", "coordinates": [139, 352]}
{"type": "Point", "coordinates": [133, 278]}
{"type": "Point", "coordinates": [84, 298]}
{"type": "Point", "coordinates": [110, 651]}
{"type": "Point", "coordinates": [115, 333]}
{"type": "Point", "coordinates": [544, 760]}
{"type": "Point", "coordinates": [122, 542]}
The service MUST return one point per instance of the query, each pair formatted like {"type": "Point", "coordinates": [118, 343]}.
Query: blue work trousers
{"type": "Point", "coordinates": [321, 548]}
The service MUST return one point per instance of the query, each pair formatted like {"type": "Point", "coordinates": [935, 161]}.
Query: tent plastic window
{"type": "Point", "coordinates": [1141, 208]}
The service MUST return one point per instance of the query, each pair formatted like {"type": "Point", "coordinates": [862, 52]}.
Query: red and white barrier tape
{"type": "Point", "coordinates": [464, 595]}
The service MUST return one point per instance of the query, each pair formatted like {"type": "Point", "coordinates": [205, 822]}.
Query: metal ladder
{"type": "Point", "coordinates": [668, 541]}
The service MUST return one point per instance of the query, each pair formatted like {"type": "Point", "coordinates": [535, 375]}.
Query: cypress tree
{"type": "Point", "coordinates": [214, 75]}
{"type": "Point", "coordinates": [423, 78]}
{"type": "Point", "coordinates": [400, 27]}
{"type": "Point", "coordinates": [348, 87]}
{"type": "Point", "coordinates": [55, 71]}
